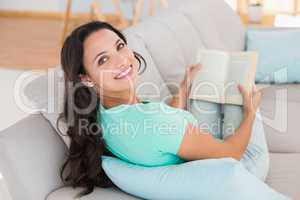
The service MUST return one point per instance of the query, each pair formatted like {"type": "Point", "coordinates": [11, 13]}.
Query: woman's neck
{"type": "Point", "coordinates": [109, 101]}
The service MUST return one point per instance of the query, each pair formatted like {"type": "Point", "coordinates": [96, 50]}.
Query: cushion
{"type": "Point", "coordinates": [46, 92]}
{"type": "Point", "coordinates": [31, 155]}
{"type": "Point", "coordinates": [279, 60]}
{"type": "Point", "coordinates": [151, 85]}
{"type": "Point", "coordinates": [217, 25]}
{"type": "Point", "coordinates": [191, 180]}
{"type": "Point", "coordinates": [186, 28]}
{"type": "Point", "coordinates": [284, 174]}
{"type": "Point", "coordinates": [176, 51]}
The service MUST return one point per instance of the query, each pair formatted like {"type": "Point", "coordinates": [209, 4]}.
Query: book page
{"type": "Point", "coordinates": [209, 82]}
{"type": "Point", "coordinates": [241, 70]}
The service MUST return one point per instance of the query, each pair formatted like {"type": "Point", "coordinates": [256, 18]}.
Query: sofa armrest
{"type": "Point", "coordinates": [31, 154]}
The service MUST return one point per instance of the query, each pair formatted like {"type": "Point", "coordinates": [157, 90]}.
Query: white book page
{"type": "Point", "coordinates": [209, 82]}
{"type": "Point", "coordinates": [241, 70]}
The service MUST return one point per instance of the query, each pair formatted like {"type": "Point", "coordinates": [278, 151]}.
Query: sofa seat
{"type": "Point", "coordinates": [280, 108]}
{"type": "Point", "coordinates": [68, 193]}
{"type": "Point", "coordinates": [284, 174]}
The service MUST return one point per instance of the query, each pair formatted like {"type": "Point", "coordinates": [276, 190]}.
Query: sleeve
{"type": "Point", "coordinates": [172, 129]}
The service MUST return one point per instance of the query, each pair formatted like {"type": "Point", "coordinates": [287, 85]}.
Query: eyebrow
{"type": "Point", "coordinates": [99, 54]}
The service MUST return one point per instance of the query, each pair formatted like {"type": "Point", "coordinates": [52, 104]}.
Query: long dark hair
{"type": "Point", "coordinates": [83, 167]}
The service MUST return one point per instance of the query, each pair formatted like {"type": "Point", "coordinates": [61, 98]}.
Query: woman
{"type": "Point", "coordinates": [105, 115]}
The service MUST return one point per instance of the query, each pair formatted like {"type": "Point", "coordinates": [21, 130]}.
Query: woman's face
{"type": "Point", "coordinates": [109, 63]}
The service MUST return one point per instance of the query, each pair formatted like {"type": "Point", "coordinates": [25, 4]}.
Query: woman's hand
{"type": "Point", "coordinates": [189, 76]}
{"type": "Point", "coordinates": [251, 100]}
{"type": "Point", "coordinates": [180, 99]}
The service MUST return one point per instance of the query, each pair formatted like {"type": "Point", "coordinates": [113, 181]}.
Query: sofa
{"type": "Point", "coordinates": [32, 152]}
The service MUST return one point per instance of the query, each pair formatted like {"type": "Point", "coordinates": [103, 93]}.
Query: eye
{"type": "Point", "coordinates": [120, 46]}
{"type": "Point", "coordinates": [102, 60]}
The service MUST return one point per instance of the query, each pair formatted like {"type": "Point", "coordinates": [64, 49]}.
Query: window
{"type": "Point", "coordinates": [271, 7]}
{"type": "Point", "coordinates": [278, 6]}
{"type": "Point", "coordinates": [287, 21]}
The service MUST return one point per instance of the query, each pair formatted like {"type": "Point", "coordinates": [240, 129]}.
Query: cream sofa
{"type": "Point", "coordinates": [31, 152]}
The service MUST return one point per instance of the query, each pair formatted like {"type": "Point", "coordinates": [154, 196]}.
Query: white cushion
{"type": "Point", "coordinates": [218, 26]}
{"type": "Point", "coordinates": [150, 83]}
{"type": "Point", "coordinates": [184, 29]}
{"type": "Point", "coordinates": [172, 42]}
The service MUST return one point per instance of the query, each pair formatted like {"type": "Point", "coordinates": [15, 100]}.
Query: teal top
{"type": "Point", "coordinates": [147, 133]}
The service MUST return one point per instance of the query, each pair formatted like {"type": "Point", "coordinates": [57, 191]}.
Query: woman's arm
{"type": "Point", "coordinates": [197, 144]}
{"type": "Point", "coordinates": [180, 99]}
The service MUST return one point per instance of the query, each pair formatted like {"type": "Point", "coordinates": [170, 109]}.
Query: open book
{"type": "Point", "coordinates": [220, 75]}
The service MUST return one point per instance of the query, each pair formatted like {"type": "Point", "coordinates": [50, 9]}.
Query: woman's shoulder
{"type": "Point", "coordinates": [147, 109]}
{"type": "Point", "coordinates": [125, 108]}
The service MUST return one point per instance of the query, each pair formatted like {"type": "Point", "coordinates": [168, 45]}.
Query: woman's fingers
{"type": "Point", "coordinates": [251, 99]}
{"type": "Point", "coordinates": [196, 67]}
{"type": "Point", "coordinates": [244, 93]}
{"type": "Point", "coordinates": [256, 97]}
{"type": "Point", "coordinates": [191, 73]}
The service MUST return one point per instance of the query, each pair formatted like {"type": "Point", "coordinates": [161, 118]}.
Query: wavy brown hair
{"type": "Point", "coordinates": [83, 167]}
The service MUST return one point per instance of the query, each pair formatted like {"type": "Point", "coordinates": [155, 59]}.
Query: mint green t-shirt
{"type": "Point", "coordinates": [147, 133]}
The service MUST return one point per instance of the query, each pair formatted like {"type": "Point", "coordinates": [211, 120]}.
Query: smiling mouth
{"type": "Point", "coordinates": [125, 73]}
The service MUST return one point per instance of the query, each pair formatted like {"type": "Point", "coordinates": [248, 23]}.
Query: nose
{"type": "Point", "coordinates": [121, 60]}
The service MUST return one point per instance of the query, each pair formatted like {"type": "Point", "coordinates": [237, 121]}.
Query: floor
{"type": "Point", "coordinates": [32, 43]}
{"type": "Point", "coordinates": [25, 44]}
{"type": "Point", "coordinates": [29, 43]}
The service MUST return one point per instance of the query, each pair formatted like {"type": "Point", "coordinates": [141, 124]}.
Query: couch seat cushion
{"type": "Point", "coordinates": [280, 111]}
{"type": "Point", "coordinates": [284, 174]}
{"type": "Point", "coordinates": [68, 193]}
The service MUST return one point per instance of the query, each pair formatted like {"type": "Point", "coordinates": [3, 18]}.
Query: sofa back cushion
{"type": "Point", "coordinates": [218, 25]}
{"type": "Point", "coordinates": [150, 83]}
{"type": "Point", "coordinates": [173, 46]}
{"type": "Point", "coordinates": [174, 36]}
